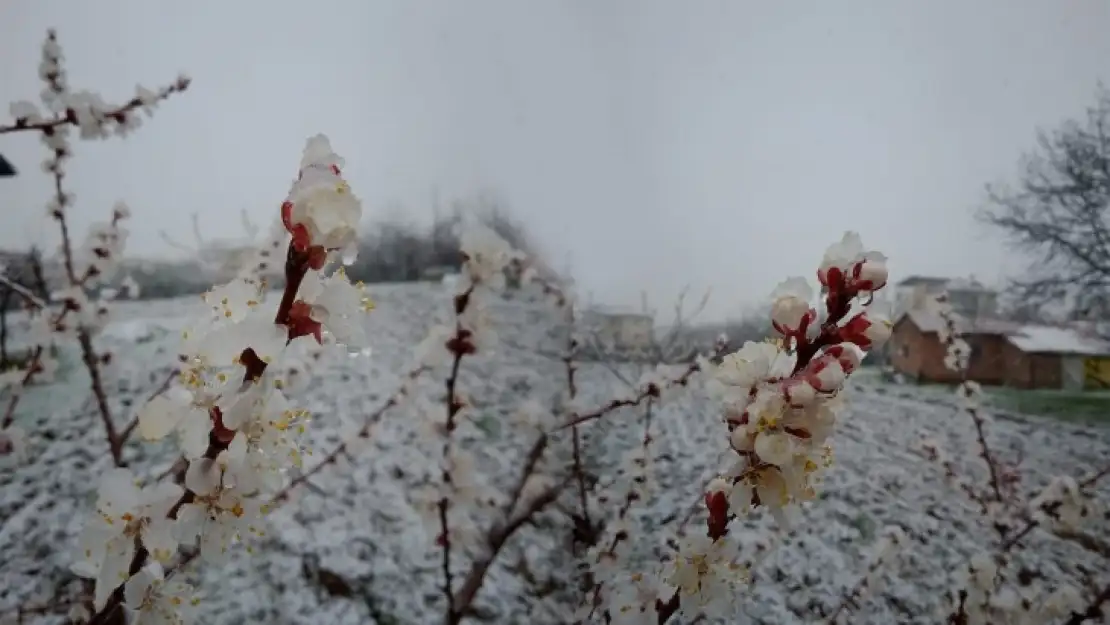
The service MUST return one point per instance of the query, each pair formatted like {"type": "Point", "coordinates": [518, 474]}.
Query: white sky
{"type": "Point", "coordinates": [722, 144]}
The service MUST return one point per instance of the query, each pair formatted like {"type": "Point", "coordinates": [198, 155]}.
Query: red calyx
{"type": "Point", "coordinates": [717, 523]}
{"type": "Point", "coordinates": [219, 431]}
{"type": "Point", "coordinates": [300, 322]}
{"type": "Point", "coordinates": [853, 331]}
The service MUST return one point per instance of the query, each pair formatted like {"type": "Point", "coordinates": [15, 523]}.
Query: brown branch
{"type": "Point", "coordinates": [460, 345]}
{"type": "Point", "coordinates": [27, 294]}
{"type": "Point", "coordinates": [69, 116]}
{"type": "Point", "coordinates": [1094, 608]}
{"type": "Point", "coordinates": [650, 391]}
{"type": "Point", "coordinates": [1032, 523]}
{"type": "Point", "coordinates": [296, 266]}
{"type": "Point", "coordinates": [496, 540]}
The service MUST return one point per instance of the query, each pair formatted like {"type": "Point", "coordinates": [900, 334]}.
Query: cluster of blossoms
{"type": "Point", "coordinates": [457, 496]}
{"type": "Point", "coordinates": [987, 589]}
{"type": "Point", "coordinates": [781, 397]}
{"type": "Point", "coordinates": [76, 312]}
{"type": "Point", "coordinates": [236, 426]}
{"type": "Point", "coordinates": [990, 594]}
{"type": "Point", "coordinates": [780, 401]}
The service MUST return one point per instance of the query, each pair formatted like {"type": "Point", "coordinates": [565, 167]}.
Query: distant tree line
{"type": "Point", "coordinates": [400, 250]}
{"type": "Point", "coordinates": [393, 249]}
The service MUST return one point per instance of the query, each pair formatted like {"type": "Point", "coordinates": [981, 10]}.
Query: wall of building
{"type": "Point", "coordinates": [1032, 370]}
{"type": "Point", "coordinates": [920, 355]}
{"type": "Point", "coordinates": [917, 354]}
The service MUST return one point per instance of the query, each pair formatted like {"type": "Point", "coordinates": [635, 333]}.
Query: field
{"type": "Point", "coordinates": [350, 549]}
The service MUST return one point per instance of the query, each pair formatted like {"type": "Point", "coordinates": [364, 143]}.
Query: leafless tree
{"type": "Point", "coordinates": [1057, 214]}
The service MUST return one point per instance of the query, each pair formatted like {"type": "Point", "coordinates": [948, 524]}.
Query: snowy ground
{"type": "Point", "coordinates": [350, 550]}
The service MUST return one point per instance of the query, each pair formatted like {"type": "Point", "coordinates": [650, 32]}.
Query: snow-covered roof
{"type": "Point", "coordinates": [1037, 339]}
{"type": "Point", "coordinates": [929, 320]}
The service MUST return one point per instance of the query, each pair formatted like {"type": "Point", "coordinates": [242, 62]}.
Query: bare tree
{"type": "Point", "coordinates": [1057, 214]}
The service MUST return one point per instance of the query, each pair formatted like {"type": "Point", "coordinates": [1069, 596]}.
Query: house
{"type": "Point", "coordinates": [1057, 357]}
{"type": "Point", "coordinates": [968, 296]}
{"type": "Point", "coordinates": [915, 348]}
{"type": "Point", "coordinates": [616, 330]}
{"type": "Point", "coordinates": [1002, 352]}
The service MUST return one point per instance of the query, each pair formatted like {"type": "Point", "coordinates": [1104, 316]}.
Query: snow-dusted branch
{"type": "Point", "coordinates": [94, 120]}
{"type": "Point", "coordinates": [237, 429]}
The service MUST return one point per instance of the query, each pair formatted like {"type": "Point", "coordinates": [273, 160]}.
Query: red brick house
{"type": "Point", "coordinates": [916, 350]}
{"type": "Point", "coordinates": [1002, 353]}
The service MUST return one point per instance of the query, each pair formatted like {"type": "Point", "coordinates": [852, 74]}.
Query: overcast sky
{"type": "Point", "coordinates": [722, 144]}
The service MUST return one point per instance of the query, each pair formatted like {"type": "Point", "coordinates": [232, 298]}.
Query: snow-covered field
{"type": "Point", "coordinates": [349, 549]}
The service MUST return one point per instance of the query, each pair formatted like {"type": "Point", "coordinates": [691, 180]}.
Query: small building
{"type": "Point", "coordinates": [968, 296]}
{"type": "Point", "coordinates": [915, 348]}
{"type": "Point", "coordinates": [1002, 353]}
{"type": "Point", "coordinates": [1057, 357]}
{"type": "Point", "coordinates": [619, 331]}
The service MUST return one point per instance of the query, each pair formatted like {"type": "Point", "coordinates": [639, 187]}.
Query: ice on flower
{"type": "Point", "coordinates": [704, 569]}
{"type": "Point", "coordinates": [126, 516]}
{"type": "Point", "coordinates": [847, 262]}
{"type": "Point", "coordinates": [321, 210]}
{"type": "Point", "coordinates": [153, 600]}
{"type": "Point", "coordinates": [487, 253]}
{"type": "Point", "coordinates": [267, 442]}
{"type": "Point", "coordinates": [790, 304]}
{"type": "Point", "coordinates": [219, 513]}
{"type": "Point", "coordinates": [172, 411]}
{"type": "Point", "coordinates": [338, 305]}
{"type": "Point", "coordinates": [774, 447]}
{"type": "Point", "coordinates": [840, 256]}
{"type": "Point", "coordinates": [752, 363]}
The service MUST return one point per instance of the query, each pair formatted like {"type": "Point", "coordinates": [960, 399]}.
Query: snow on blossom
{"type": "Point", "coordinates": [321, 211]}
{"type": "Point", "coordinates": [174, 411]}
{"type": "Point", "coordinates": [127, 516]}
{"type": "Point", "coordinates": [486, 253]}
{"type": "Point", "coordinates": [846, 262]}
{"type": "Point", "coordinates": [153, 600]}
{"type": "Point", "coordinates": [790, 305]}
{"type": "Point", "coordinates": [220, 512]}
{"type": "Point", "coordinates": [705, 570]}
{"type": "Point", "coordinates": [753, 363]}
{"type": "Point", "coordinates": [338, 305]}
{"type": "Point", "coordinates": [1062, 503]}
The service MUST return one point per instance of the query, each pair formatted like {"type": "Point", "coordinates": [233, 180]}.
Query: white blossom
{"type": "Point", "coordinates": [153, 600]}
{"type": "Point", "coordinates": [790, 303]}
{"type": "Point", "coordinates": [321, 201]}
{"type": "Point", "coordinates": [126, 518]}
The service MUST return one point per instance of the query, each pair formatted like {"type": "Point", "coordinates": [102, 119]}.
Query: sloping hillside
{"type": "Point", "coordinates": [350, 550]}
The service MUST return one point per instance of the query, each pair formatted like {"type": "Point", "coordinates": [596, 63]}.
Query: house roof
{"type": "Point", "coordinates": [1038, 339]}
{"type": "Point", "coordinates": [951, 284]}
{"type": "Point", "coordinates": [916, 280]}
{"type": "Point", "coordinates": [929, 320]}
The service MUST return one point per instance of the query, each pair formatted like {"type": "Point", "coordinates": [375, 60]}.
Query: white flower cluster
{"type": "Point", "coordinates": [984, 593]}
{"type": "Point", "coordinates": [626, 598]}
{"type": "Point", "coordinates": [986, 596]}
{"type": "Point", "coordinates": [1063, 504]}
{"type": "Point", "coordinates": [781, 397]}
{"type": "Point", "coordinates": [884, 556]}
{"type": "Point", "coordinates": [457, 496]}
{"type": "Point", "coordinates": [237, 428]}
{"type": "Point", "coordinates": [95, 262]}
{"type": "Point", "coordinates": [780, 403]}
{"type": "Point", "coordinates": [93, 117]}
